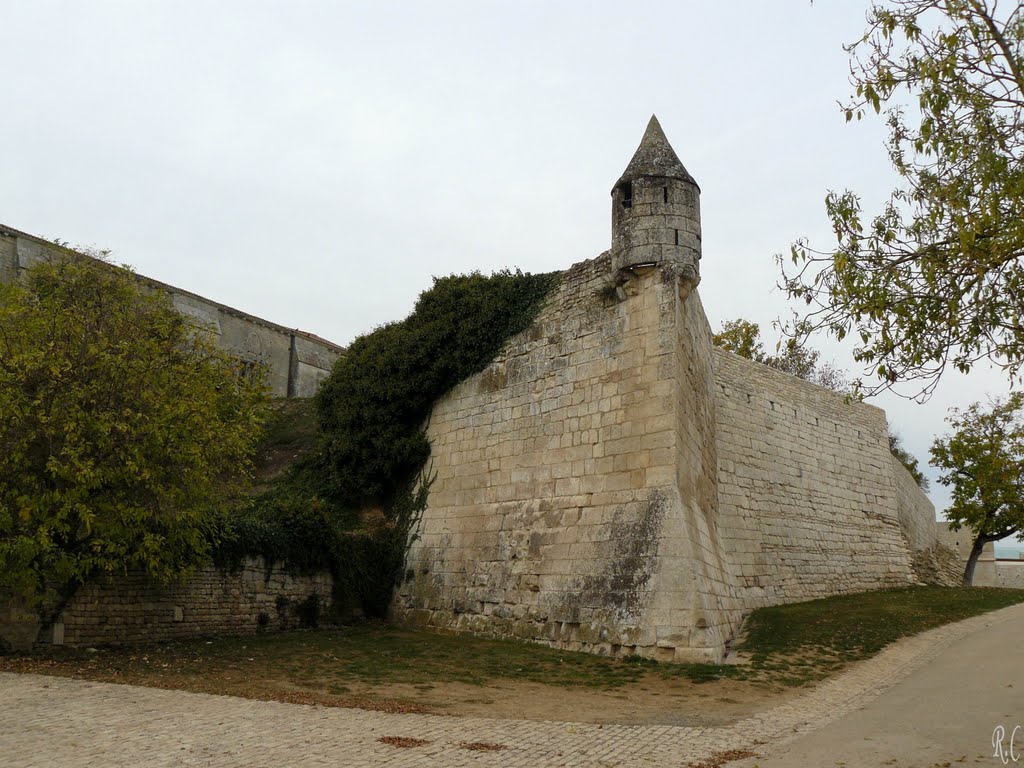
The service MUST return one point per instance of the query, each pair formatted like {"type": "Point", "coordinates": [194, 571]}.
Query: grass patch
{"type": "Point", "coordinates": [332, 660]}
{"type": "Point", "coordinates": [794, 644]}
{"type": "Point", "coordinates": [345, 666]}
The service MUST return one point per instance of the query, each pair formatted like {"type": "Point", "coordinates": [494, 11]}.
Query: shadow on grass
{"type": "Point", "coordinates": [786, 646]}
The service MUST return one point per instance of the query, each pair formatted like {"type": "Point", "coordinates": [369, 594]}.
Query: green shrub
{"type": "Point", "coordinates": [373, 406]}
{"type": "Point", "coordinates": [371, 447]}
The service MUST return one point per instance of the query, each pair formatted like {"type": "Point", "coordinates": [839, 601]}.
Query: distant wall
{"type": "Point", "coordinates": [1010, 574]}
{"type": "Point", "coordinates": [961, 542]}
{"type": "Point", "coordinates": [214, 601]}
{"type": "Point", "coordinates": [988, 571]}
{"type": "Point", "coordinates": [297, 361]}
{"type": "Point", "coordinates": [807, 504]}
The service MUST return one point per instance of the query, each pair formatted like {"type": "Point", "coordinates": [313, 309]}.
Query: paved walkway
{"type": "Point", "coordinates": [942, 714]}
{"type": "Point", "coordinates": [48, 721]}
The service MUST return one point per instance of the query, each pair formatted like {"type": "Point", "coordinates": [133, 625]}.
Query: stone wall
{"type": "Point", "coordinates": [214, 601]}
{"type": "Point", "coordinates": [988, 571]}
{"type": "Point", "coordinates": [297, 361]}
{"type": "Point", "coordinates": [1010, 574]}
{"type": "Point", "coordinates": [716, 607]}
{"type": "Point", "coordinates": [933, 561]}
{"type": "Point", "coordinates": [961, 542]}
{"type": "Point", "coordinates": [612, 483]}
{"type": "Point", "coordinates": [561, 510]}
{"type": "Point", "coordinates": [807, 504]}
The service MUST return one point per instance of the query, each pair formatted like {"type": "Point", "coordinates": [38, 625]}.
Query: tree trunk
{"type": "Point", "coordinates": [976, 550]}
{"type": "Point", "coordinates": [49, 611]}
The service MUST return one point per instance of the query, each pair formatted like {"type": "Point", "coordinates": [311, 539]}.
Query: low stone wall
{"type": "Point", "coordinates": [214, 601]}
{"type": "Point", "coordinates": [1010, 574]}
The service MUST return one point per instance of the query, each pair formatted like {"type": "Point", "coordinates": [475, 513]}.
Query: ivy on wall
{"type": "Point", "coordinates": [350, 504]}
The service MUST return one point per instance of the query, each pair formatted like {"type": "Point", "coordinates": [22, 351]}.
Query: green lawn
{"type": "Point", "coordinates": [786, 646]}
{"type": "Point", "coordinates": [793, 644]}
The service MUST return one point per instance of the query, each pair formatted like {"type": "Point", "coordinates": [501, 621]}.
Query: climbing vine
{"type": "Point", "coordinates": [350, 505]}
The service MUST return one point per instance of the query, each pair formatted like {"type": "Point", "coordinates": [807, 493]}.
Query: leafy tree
{"type": "Point", "coordinates": [936, 278]}
{"type": "Point", "coordinates": [352, 504]}
{"type": "Point", "coordinates": [907, 459]}
{"type": "Point", "coordinates": [983, 462]}
{"type": "Point", "coordinates": [373, 407]}
{"type": "Point", "coordinates": [121, 429]}
{"type": "Point", "coordinates": [744, 339]}
{"type": "Point", "coordinates": [794, 357]}
{"type": "Point", "coordinates": [741, 337]}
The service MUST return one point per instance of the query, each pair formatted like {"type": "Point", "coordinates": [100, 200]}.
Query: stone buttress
{"type": "Point", "coordinates": [575, 496]}
{"type": "Point", "coordinates": [613, 483]}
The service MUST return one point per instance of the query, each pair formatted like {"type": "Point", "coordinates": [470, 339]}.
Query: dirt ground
{"type": "Point", "coordinates": [652, 701]}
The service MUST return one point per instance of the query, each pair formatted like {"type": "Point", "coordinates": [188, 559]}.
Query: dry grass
{"type": "Point", "coordinates": [378, 667]}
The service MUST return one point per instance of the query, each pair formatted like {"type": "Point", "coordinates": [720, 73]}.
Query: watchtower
{"type": "Point", "coordinates": [656, 211]}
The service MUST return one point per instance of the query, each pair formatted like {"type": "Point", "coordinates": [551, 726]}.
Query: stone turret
{"type": "Point", "coordinates": [656, 212]}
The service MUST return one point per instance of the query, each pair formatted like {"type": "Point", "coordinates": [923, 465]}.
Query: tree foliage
{"type": "Point", "coordinates": [352, 504]}
{"type": "Point", "coordinates": [907, 459]}
{"type": "Point", "coordinates": [983, 462]}
{"type": "Point", "coordinates": [373, 407]}
{"type": "Point", "coordinates": [121, 427]}
{"type": "Point", "coordinates": [935, 279]}
{"type": "Point", "coordinates": [793, 355]}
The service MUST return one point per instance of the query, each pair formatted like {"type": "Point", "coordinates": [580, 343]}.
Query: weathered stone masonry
{"type": "Point", "coordinates": [296, 361]}
{"type": "Point", "coordinates": [133, 609]}
{"type": "Point", "coordinates": [613, 483]}
{"type": "Point", "coordinates": [214, 601]}
{"type": "Point", "coordinates": [806, 490]}
{"type": "Point", "coordinates": [610, 483]}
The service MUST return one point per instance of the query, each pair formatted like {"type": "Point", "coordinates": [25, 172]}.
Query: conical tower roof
{"type": "Point", "coordinates": [655, 157]}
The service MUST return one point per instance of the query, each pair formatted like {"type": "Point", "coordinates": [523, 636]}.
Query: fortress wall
{"type": "Point", "coordinates": [716, 610]}
{"type": "Point", "coordinates": [961, 542]}
{"type": "Point", "coordinates": [132, 609]}
{"type": "Point", "coordinates": [933, 561]}
{"type": "Point", "coordinates": [296, 361]}
{"type": "Point", "coordinates": [556, 513]}
{"type": "Point", "coordinates": [311, 363]}
{"type": "Point", "coordinates": [807, 503]}
{"type": "Point", "coordinates": [249, 341]}
{"type": "Point", "coordinates": [916, 512]}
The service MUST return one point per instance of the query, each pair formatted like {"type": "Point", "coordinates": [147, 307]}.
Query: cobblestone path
{"type": "Point", "coordinates": [51, 721]}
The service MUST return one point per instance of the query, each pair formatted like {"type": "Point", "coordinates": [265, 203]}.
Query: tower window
{"type": "Point", "coordinates": [677, 237]}
{"type": "Point", "coordinates": [665, 193]}
{"type": "Point", "coordinates": [627, 195]}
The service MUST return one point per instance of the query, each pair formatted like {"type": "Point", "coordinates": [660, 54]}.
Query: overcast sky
{"type": "Point", "coordinates": [315, 163]}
